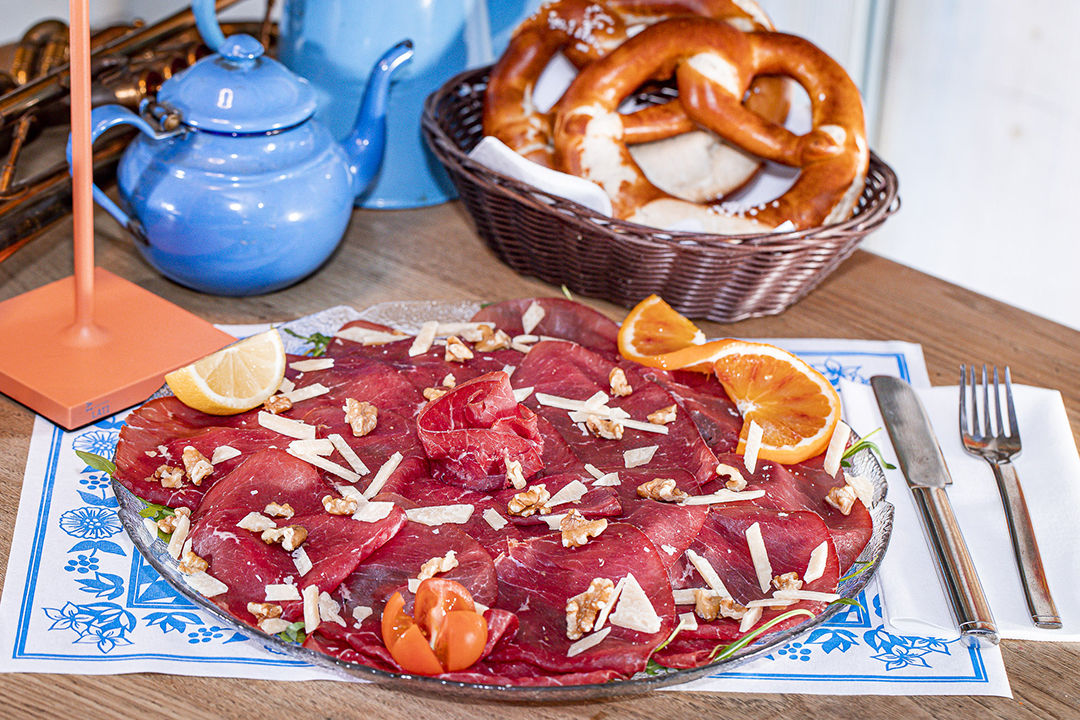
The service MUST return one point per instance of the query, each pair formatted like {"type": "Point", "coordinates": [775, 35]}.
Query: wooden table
{"type": "Point", "coordinates": [435, 254]}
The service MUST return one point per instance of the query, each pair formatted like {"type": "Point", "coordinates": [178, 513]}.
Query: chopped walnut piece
{"type": "Point", "coordinates": [190, 563]}
{"type": "Point", "coordinates": [167, 524]}
{"type": "Point", "coordinates": [263, 611]}
{"type": "Point", "coordinates": [620, 386]}
{"type": "Point", "coordinates": [196, 465]}
{"type": "Point", "coordinates": [277, 404]}
{"type": "Point", "coordinates": [449, 381]}
{"type": "Point", "coordinates": [457, 351]}
{"type": "Point", "coordinates": [709, 606]}
{"type": "Point", "coordinates": [529, 502]}
{"type": "Point", "coordinates": [437, 565]}
{"type": "Point", "coordinates": [663, 416]}
{"type": "Point", "coordinates": [735, 481]}
{"type": "Point", "coordinates": [661, 489]}
{"type": "Point", "coordinates": [577, 529]}
{"type": "Point", "coordinates": [361, 416]}
{"type": "Point", "coordinates": [842, 498]}
{"type": "Point", "coordinates": [284, 510]}
{"type": "Point", "coordinates": [582, 609]}
{"type": "Point", "coordinates": [339, 505]}
{"type": "Point", "coordinates": [492, 340]}
{"type": "Point", "coordinates": [787, 581]}
{"type": "Point", "coordinates": [514, 474]}
{"type": "Point", "coordinates": [604, 427]}
{"type": "Point", "coordinates": [434, 393]}
{"type": "Point", "coordinates": [290, 537]}
{"type": "Point", "coordinates": [168, 476]}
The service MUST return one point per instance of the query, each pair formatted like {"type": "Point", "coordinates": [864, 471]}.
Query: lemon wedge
{"type": "Point", "coordinates": [234, 379]}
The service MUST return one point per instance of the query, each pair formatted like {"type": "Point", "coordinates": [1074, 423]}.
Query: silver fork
{"type": "Point", "coordinates": [998, 449]}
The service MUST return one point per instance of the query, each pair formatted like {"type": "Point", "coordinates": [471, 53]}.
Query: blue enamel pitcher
{"type": "Point", "coordinates": [249, 193]}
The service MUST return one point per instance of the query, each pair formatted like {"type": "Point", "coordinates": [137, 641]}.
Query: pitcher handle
{"type": "Point", "coordinates": [101, 119]}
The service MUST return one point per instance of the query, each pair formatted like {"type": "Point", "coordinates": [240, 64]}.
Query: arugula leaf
{"type": "Point", "coordinates": [846, 601]}
{"type": "Point", "coordinates": [319, 342]}
{"type": "Point", "coordinates": [294, 633]}
{"type": "Point", "coordinates": [721, 652]}
{"type": "Point", "coordinates": [654, 668]}
{"type": "Point", "coordinates": [156, 512]}
{"type": "Point", "coordinates": [864, 444]}
{"type": "Point", "coordinates": [97, 462]}
{"type": "Point", "coordinates": [566, 292]}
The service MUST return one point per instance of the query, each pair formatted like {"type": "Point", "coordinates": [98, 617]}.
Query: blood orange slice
{"type": "Point", "coordinates": [654, 329]}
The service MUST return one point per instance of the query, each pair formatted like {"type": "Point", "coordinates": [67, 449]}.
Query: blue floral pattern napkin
{"type": "Point", "coordinates": [79, 599]}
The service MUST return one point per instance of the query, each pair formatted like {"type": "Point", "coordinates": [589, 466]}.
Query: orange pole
{"type": "Point", "coordinates": [82, 166]}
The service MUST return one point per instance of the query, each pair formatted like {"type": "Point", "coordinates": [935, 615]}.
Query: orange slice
{"type": "Point", "coordinates": [796, 407]}
{"type": "Point", "coordinates": [654, 329]}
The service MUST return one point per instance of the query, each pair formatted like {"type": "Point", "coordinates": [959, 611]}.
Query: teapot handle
{"type": "Point", "coordinates": [101, 119]}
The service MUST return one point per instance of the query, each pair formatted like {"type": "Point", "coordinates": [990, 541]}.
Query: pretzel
{"type": "Point", "coordinates": [714, 65]}
{"type": "Point", "coordinates": [585, 30]}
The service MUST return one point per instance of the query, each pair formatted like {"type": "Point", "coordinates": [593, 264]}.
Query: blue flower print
{"type": "Point", "coordinates": [82, 564]}
{"type": "Point", "coordinates": [205, 635]}
{"type": "Point", "coordinates": [95, 481]}
{"type": "Point", "coordinates": [90, 522]}
{"type": "Point", "coordinates": [103, 624]}
{"type": "Point", "coordinates": [795, 651]}
{"type": "Point", "coordinates": [900, 656]}
{"type": "Point", "coordinates": [99, 442]}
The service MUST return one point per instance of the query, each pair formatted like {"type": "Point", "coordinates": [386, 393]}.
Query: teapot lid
{"type": "Point", "coordinates": [239, 90]}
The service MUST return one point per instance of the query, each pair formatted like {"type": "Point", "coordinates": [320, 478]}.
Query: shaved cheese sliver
{"type": "Point", "coordinates": [639, 456]}
{"type": "Point", "coordinates": [685, 596]}
{"type": "Point", "coordinates": [414, 584]}
{"type": "Point", "coordinates": [384, 473]}
{"type": "Point", "coordinates": [306, 393]}
{"type": "Point", "coordinates": [348, 453]}
{"type": "Point", "coordinates": [602, 616]}
{"type": "Point", "coordinates": [151, 528]}
{"type": "Point", "coordinates": [441, 514]}
{"type": "Point", "coordinates": [769, 602]}
{"type": "Point", "coordinates": [256, 522]}
{"type": "Point", "coordinates": [805, 595]}
{"type": "Point", "coordinates": [687, 621]}
{"type": "Point", "coordinates": [723, 496]}
{"type": "Point", "coordinates": [589, 641]}
{"type": "Point", "coordinates": [609, 480]}
{"type": "Point", "coordinates": [368, 336]}
{"type": "Point", "coordinates": [480, 607]}
{"type": "Point", "coordinates": [311, 608]}
{"type": "Point", "coordinates": [837, 445]}
{"type": "Point", "coordinates": [457, 328]}
{"type": "Point", "coordinates": [285, 426]}
{"type": "Point", "coordinates": [614, 414]}
{"type": "Point", "coordinates": [522, 394]}
{"type": "Point", "coordinates": [223, 453]}
{"type": "Point", "coordinates": [634, 610]}
{"type": "Point", "coordinates": [571, 492]}
{"type": "Point", "coordinates": [864, 489]}
{"type": "Point", "coordinates": [351, 492]}
{"type": "Point", "coordinates": [531, 317]}
{"type": "Point", "coordinates": [816, 567]}
{"type": "Point", "coordinates": [281, 593]}
{"type": "Point", "coordinates": [313, 364]}
{"type": "Point", "coordinates": [423, 340]}
{"type": "Point", "coordinates": [286, 385]}
{"type": "Point", "coordinates": [320, 446]}
{"type": "Point", "coordinates": [301, 561]}
{"type": "Point", "coordinates": [750, 619]}
{"type": "Point", "coordinates": [752, 447]}
{"type": "Point", "coordinates": [179, 535]}
{"type": "Point", "coordinates": [708, 574]}
{"type": "Point", "coordinates": [596, 400]}
{"type": "Point", "coordinates": [553, 521]}
{"type": "Point", "coordinates": [328, 465]}
{"type": "Point", "coordinates": [559, 402]}
{"type": "Point", "coordinates": [205, 584]}
{"type": "Point", "coordinates": [361, 613]}
{"type": "Point", "coordinates": [594, 471]}
{"type": "Point", "coordinates": [329, 610]}
{"type": "Point", "coordinates": [760, 556]}
{"type": "Point", "coordinates": [372, 511]}
{"type": "Point", "coordinates": [494, 519]}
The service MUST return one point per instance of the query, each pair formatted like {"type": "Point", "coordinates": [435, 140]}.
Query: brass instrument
{"type": "Point", "coordinates": [129, 63]}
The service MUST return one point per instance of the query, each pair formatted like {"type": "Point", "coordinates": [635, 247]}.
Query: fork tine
{"type": "Point", "coordinates": [997, 404]}
{"type": "Point", "coordinates": [989, 431]}
{"type": "Point", "coordinates": [963, 401]}
{"type": "Point", "coordinates": [974, 401]}
{"type": "Point", "coordinates": [1014, 431]}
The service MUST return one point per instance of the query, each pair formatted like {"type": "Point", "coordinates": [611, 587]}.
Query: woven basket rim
{"type": "Point", "coordinates": [873, 214]}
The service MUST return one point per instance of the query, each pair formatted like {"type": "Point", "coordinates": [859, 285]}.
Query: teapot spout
{"type": "Point", "coordinates": [366, 142]}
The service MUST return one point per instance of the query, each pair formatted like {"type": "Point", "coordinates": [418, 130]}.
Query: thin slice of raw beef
{"type": "Point", "coordinates": [703, 397]}
{"type": "Point", "coordinates": [474, 431]}
{"type": "Point", "coordinates": [562, 319]}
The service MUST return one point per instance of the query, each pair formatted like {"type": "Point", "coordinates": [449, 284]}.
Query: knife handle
{"type": "Point", "coordinates": [962, 584]}
{"type": "Point", "coordinates": [1041, 605]}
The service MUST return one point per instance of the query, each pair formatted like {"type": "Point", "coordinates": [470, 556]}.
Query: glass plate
{"type": "Point", "coordinates": [408, 316]}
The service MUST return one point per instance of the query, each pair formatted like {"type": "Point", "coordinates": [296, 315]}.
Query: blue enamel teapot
{"type": "Point", "coordinates": [248, 193]}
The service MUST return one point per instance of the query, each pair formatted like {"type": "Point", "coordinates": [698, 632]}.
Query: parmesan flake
{"type": "Point", "coordinates": [571, 492]}
{"type": "Point", "coordinates": [306, 393]}
{"type": "Point", "coordinates": [179, 535]}
{"type": "Point", "coordinates": [205, 584]}
{"type": "Point", "coordinates": [760, 556]}
{"type": "Point", "coordinates": [372, 511]}
{"type": "Point", "coordinates": [301, 561]}
{"type": "Point", "coordinates": [281, 592]}
{"type": "Point", "coordinates": [752, 447]}
{"type": "Point", "coordinates": [223, 453]}
{"type": "Point", "coordinates": [634, 611]}
{"type": "Point", "coordinates": [424, 339]}
{"type": "Point", "coordinates": [441, 514]}
{"type": "Point", "coordinates": [837, 445]}
{"type": "Point", "coordinates": [522, 394]}
{"type": "Point", "coordinates": [311, 608]}
{"type": "Point", "coordinates": [602, 616]}
{"type": "Point", "coordinates": [816, 567]}
{"type": "Point", "coordinates": [312, 364]}
{"type": "Point", "coordinates": [639, 456]}
{"type": "Point", "coordinates": [285, 426]}
{"type": "Point", "coordinates": [723, 496]}
{"type": "Point", "coordinates": [384, 473]}
{"type": "Point", "coordinates": [531, 317]}
{"type": "Point", "coordinates": [361, 613]}
{"type": "Point", "coordinates": [494, 519]}
{"type": "Point", "coordinates": [708, 573]}
{"type": "Point", "coordinates": [750, 619]}
{"type": "Point", "coordinates": [328, 465]}
{"type": "Point", "coordinates": [589, 641]}
{"type": "Point", "coordinates": [805, 595]}
{"type": "Point", "coordinates": [321, 446]}
{"type": "Point", "coordinates": [348, 453]}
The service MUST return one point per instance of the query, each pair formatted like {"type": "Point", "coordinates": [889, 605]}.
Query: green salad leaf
{"type": "Point", "coordinates": [319, 342]}
{"type": "Point", "coordinates": [864, 444]}
{"type": "Point", "coordinates": [97, 462]}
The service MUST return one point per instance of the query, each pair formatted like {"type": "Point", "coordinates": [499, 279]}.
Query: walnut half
{"type": "Point", "coordinates": [277, 404]}
{"type": "Point", "coordinates": [190, 563]}
{"type": "Point", "coordinates": [196, 465]}
{"type": "Point", "coordinates": [290, 537]}
{"type": "Point", "coordinates": [618, 383]}
{"type": "Point", "coordinates": [168, 476]}
{"type": "Point", "coordinates": [787, 581]}
{"type": "Point", "coordinates": [842, 498]}
{"type": "Point", "coordinates": [709, 606]}
{"type": "Point", "coordinates": [457, 351]}
{"type": "Point", "coordinates": [167, 524]}
{"type": "Point", "coordinates": [663, 416]}
{"type": "Point", "coordinates": [582, 609]}
{"type": "Point", "coordinates": [529, 502]}
{"type": "Point", "coordinates": [339, 505]}
{"type": "Point", "coordinates": [662, 489]}
{"type": "Point", "coordinates": [491, 340]}
{"type": "Point", "coordinates": [577, 529]}
{"type": "Point", "coordinates": [604, 427]}
{"type": "Point", "coordinates": [361, 416]}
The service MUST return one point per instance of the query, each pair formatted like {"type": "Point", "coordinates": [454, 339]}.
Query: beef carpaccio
{"type": "Point", "coordinates": [558, 483]}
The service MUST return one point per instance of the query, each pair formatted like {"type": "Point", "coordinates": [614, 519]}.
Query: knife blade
{"type": "Point", "coordinates": [927, 475]}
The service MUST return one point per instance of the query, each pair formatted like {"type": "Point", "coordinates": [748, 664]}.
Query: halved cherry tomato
{"type": "Point", "coordinates": [444, 634]}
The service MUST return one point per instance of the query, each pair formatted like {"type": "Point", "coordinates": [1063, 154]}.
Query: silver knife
{"type": "Point", "coordinates": [924, 467]}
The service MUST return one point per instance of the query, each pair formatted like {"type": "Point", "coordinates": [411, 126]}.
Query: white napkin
{"type": "Point", "coordinates": [1049, 470]}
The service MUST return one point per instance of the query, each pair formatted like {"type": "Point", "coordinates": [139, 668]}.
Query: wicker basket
{"type": "Point", "coordinates": [721, 278]}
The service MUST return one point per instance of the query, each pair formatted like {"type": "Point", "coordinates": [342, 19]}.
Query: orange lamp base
{"type": "Point", "coordinates": [74, 376]}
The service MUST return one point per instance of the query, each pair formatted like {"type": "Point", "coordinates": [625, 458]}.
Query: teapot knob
{"type": "Point", "coordinates": [240, 49]}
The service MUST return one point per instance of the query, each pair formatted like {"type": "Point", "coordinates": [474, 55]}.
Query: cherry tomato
{"type": "Point", "coordinates": [444, 634]}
